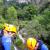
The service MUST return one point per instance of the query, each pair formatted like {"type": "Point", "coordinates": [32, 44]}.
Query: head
{"type": "Point", "coordinates": [9, 29]}
{"type": "Point", "coordinates": [31, 43]}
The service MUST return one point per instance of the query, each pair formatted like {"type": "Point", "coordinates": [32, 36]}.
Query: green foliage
{"type": "Point", "coordinates": [1, 26]}
{"type": "Point", "coordinates": [27, 12]}
{"type": "Point", "coordinates": [33, 27]}
{"type": "Point", "coordinates": [47, 12]}
{"type": "Point", "coordinates": [40, 18]}
{"type": "Point", "coordinates": [1, 1]}
{"type": "Point", "coordinates": [11, 12]}
{"type": "Point", "coordinates": [48, 27]}
{"type": "Point", "coordinates": [18, 42]}
{"type": "Point", "coordinates": [26, 16]}
{"type": "Point", "coordinates": [1, 10]}
{"type": "Point", "coordinates": [21, 5]}
{"type": "Point", "coordinates": [1, 7]}
{"type": "Point", "coordinates": [46, 15]}
{"type": "Point", "coordinates": [2, 19]}
{"type": "Point", "coordinates": [12, 47]}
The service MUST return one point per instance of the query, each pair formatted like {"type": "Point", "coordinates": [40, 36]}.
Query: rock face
{"type": "Point", "coordinates": [23, 1]}
{"type": "Point", "coordinates": [37, 2]}
{"type": "Point", "coordinates": [31, 1]}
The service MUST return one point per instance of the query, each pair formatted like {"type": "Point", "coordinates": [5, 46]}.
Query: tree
{"type": "Point", "coordinates": [11, 12]}
{"type": "Point", "coordinates": [28, 12]}
{"type": "Point", "coordinates": [1, 7]}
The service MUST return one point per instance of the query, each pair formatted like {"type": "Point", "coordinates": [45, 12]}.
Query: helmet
{"type": "Point", "coordinates": [10, 27]}
{"type": "Point", "coordinates": [6, 26]}
{"type": "Point", "coordinates": [31, 42]}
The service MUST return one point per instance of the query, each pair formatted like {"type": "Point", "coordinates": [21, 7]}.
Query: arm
{"type": "Point", "coordinates": [20, 36]}
{"type": "Point", "coordinates": [36, 47]}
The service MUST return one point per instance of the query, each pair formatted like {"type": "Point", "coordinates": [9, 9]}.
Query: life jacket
{"type": "Point", "coordinates": [6, 41]}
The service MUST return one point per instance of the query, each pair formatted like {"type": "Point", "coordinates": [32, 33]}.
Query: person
{"type": "Point", "coordinates": [33, 41]}
{"type": "Point", "coordinates": [9, 32]}
{"type": "Point", "coordinates": [33, 44]}
{"type": "Point", "coordinates": [41, 45]}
